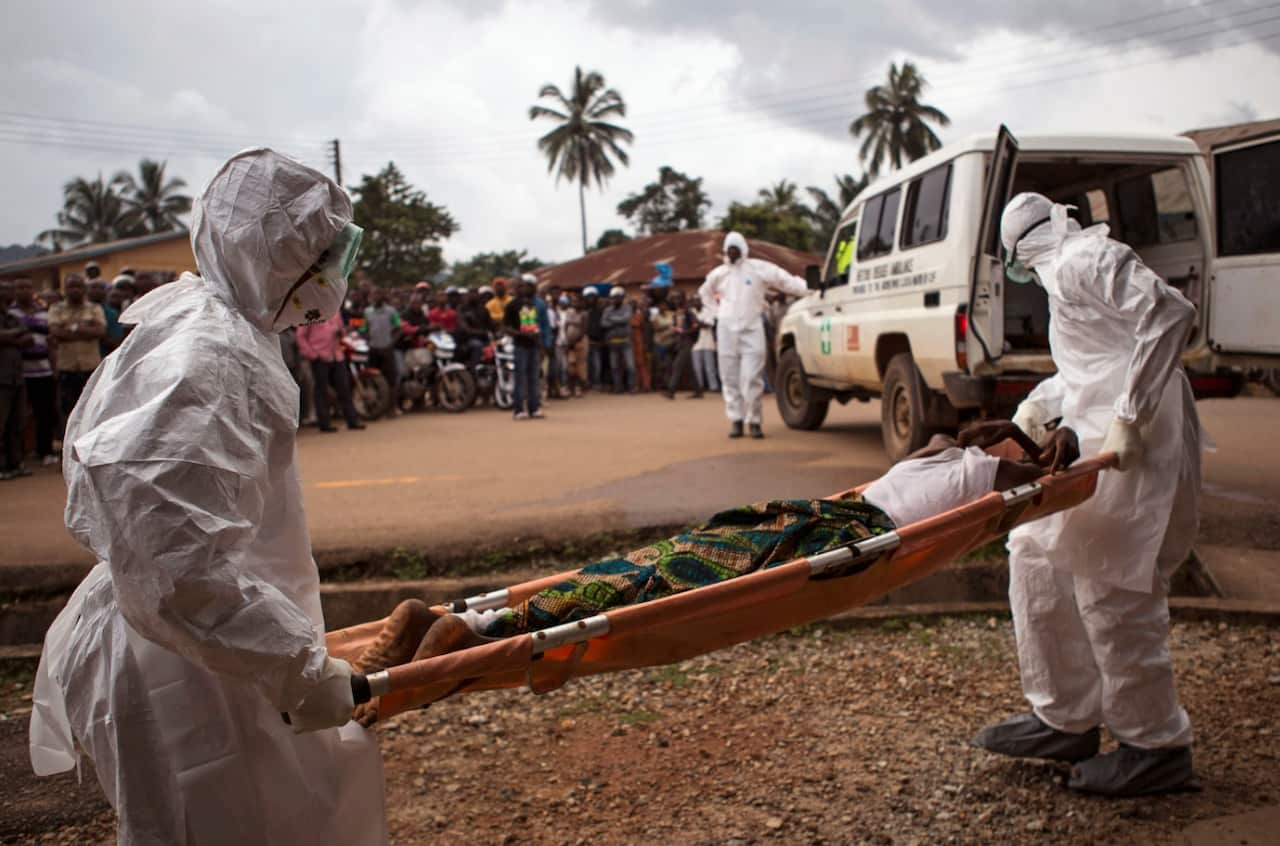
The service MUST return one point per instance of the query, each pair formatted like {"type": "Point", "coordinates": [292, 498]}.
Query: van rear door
{"type": "Point", "coordinates": [1244, 288]}
{"type": "Point", "coordinates": [986, 289]}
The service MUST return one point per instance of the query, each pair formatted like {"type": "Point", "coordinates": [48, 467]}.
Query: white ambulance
{"type": "Point", "coordinates": [912, 307]}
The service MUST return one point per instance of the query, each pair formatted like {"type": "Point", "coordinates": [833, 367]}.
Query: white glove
{"type": "Point", "coordinates": [1032, 417]}
{"type": "Point", "coordinates": [1125, 441]}
{"type": "Point", "coordinates": [329, 704]}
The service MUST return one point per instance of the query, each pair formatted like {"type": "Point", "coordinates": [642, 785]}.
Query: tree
{"type": "Point", "coordinates": [579, 148]}
{"type": "Point", "coordinates": [827, 211]}
{"type": "Point", "coordinates": [783, 198]}
{"type": "Point", "coordinates": [895, 121]}
{"type": "Point", "coordinates": [402, 229]}
{"type": "Point", "coordinates": [673, 203]}
{"type": "Point", "coordinates": [766, 222]}
{"type": "Point", "coordinates": [611, 238]}
{"type": "Point", "coordinates": [481, 268]}
{"type": "Point", "coordinates": [92, 212]}
{"type": "Point", "coordinates": [151, 201]}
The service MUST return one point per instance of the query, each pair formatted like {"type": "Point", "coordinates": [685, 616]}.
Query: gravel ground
{"type": "Point", "coordinates": [819, 736]}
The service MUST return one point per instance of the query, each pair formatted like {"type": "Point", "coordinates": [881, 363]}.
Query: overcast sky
{"type": "Point", "coordinates": [742, 94]}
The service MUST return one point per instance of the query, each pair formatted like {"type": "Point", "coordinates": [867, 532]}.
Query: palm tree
{"type": "Point", "coordinates": [579, 148]}
{"type": "Point", "coordinates": [895, 121]}
{"type": "Point", "coordinates": [152, 201]}
{"type": "Point", "coordinates": [92, 212]}
{"type": "Point", "coordinates": [828, 210]}
{"type": "Point", "coordinates": [784, 198]}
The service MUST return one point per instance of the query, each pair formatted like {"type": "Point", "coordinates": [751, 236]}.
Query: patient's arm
{"type": "Point", "coordinates": [1010, 474]}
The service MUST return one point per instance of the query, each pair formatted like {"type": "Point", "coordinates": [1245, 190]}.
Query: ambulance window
{"type": "Point", "coordinates": [870, 226]}
{"type": "Point", "coordinates": [837, 272]}
{"type": "Point", "coordinates": [888, 222]}
{"type": "Point", "coordinates": [925, 220]}
{"type": "Point", "coordinates": [1096, 202]}
{"type": "Point", "coordinates": [1156, 208]}
{"type": "Point", "coordinates": [1248, 211]}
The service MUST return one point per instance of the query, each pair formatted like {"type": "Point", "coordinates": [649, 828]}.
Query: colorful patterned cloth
{"type": "Point", "coordinates": [732, 543]}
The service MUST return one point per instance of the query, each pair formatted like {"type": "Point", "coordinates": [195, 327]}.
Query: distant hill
{"type": "Point", "coordinates": [18, 252]}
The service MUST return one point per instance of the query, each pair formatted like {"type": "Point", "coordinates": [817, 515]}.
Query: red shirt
{"type": "Point", "coordinates": [443, 318]}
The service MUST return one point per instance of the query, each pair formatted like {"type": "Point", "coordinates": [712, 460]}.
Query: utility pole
{"type": "Point", "coordinates": [336, 153]}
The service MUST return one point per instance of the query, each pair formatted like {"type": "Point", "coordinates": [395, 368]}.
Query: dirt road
{"type": "Point", "coordinates": [440, 481]}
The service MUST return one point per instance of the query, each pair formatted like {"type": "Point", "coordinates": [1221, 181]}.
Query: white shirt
{"type": "Point", "coordinates": [920, 488]}
{"type": "Point", "coordinates": [707, 334]}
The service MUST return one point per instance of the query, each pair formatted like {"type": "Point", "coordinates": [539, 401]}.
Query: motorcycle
{"type": "Point", "coordinates": [370, 392]}
{"type": "Point", "coordinates": [504, 369]}
{"type": "Point", "coordinates": [432, 375]}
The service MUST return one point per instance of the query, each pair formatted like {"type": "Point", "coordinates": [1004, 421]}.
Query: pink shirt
{"type": "Point", "coordinates": [320, 340]}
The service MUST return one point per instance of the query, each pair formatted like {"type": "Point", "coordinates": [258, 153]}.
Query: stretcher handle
{"type": "Point", "coordinates": [360, 694]}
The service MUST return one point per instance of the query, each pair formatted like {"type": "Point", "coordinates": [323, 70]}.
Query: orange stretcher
{"type": "Point", "coordinates": [678, 627]}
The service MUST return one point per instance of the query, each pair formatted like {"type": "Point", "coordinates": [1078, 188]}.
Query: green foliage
{"type": "Point", "coordinates": [585, 142]}
{"type": "Point", "coordinates": [766, 222]}
{"type": "Point", "coordinates": [674, 203]}
{"type": "Point", "coordinates": [611, 238]}
{"type": "Point", "coordinates": [481, 268]}
{"type": "Point", "coordinates": [93, 211]}
{"type": "Point", "coordinates": [151, 200]}
{"type": "Point", "coordinates": [408, 564]}
{"type": "Point", "coordinates": [402, 229]}
{"type": "Point", "coordinates": [827, 209]}
{"type": "Point", "coordinates": [894, 122]}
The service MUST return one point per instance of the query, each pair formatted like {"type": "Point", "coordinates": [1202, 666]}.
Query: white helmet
{"type": "Point", "coordinates": [617, 291]}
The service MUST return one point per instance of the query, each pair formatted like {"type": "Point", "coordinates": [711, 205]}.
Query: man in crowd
{"type": "Point", "coordinates": [78, 326]}
{"type": "Point", "coordinates": [521, 322]}
{"type": "Point", "coordinates": [737, 289]}
{"type": "Point", "coordinates": [37, 370]}
{"type": "Point", "coordinates": [382, 327]}
{"type": "Point", "coordinates": [13, 338]}
{"type": "Point", "coordinates": [641, 371]}
{"type": "Point", "coordinates": [597, 351]}
{"type": "Point", "coordinates": [474, 328]}
{"type": "Point", "coordinates": [572, 334]}
{"type": "Point", "coordinates": [663, 321]}
{"type": "Point", "coordinates": [685, 328]}
{"type": "Point", "coordinates": [497, 304]}
{"type": "Point", "coordinates": [320, 346]}
{"type": "Point", "coordinates": [442, 314]}
{"type": "Point", "coordinates": [96, 292]}
{"type": "Point", "coordinates": [704, 349]}
{"type": "Point", "coordinates": [128, 288]}
{"type": "Point", "coordinates": [616, 322]}
{"type": "Point", "coordinates": [92, 271]}
{"type": "Point", "coordinates": [415, 313]}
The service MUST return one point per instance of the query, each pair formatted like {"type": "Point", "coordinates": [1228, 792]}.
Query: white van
{"type": "Point", "coordinates": [912, 306]}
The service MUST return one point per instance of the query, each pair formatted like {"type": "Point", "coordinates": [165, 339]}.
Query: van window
{"type": "Point", "coordinates": [837, 270]}
{"type": "Point", "coordinates": [1096, 202]}
{"type": "Point", "coordinates": [1248, 213]}
{"type": "Point", "coordinates": [1156, 208]}
{"type": "Point", "coordinates": [870, 227]}
{"type": "Point", "coordinates": [928, 198]}
{"type": "Point", "coordinates": [888, 222]}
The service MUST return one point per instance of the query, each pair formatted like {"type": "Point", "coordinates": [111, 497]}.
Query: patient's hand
{"type": "Point", "coordinates": [1061, 451]}
{"type": "Point", "coordinates": [988, 433]}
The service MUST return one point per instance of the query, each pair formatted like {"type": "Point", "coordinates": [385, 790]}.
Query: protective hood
{"type": "Point", "coordinates": [1036, 227]}
{"type": "Point", "coordinates": [735, 239]}
{"type": "Point", "coordinates": [263, 220]}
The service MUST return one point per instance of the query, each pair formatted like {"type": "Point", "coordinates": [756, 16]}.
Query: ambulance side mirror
{"type": "Point", "coordinates": [813, 278]}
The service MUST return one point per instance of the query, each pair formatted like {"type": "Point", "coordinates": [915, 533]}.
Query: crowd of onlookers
{"type": "Point", "coordinates": [566, 342]}
{"type": "Point", "coordinates": [51, 341]}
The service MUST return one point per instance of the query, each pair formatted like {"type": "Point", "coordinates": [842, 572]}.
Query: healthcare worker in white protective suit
{"type": "Point", "coordinates": [174, 658]}
{"type": "Point", "coordinates": [1089, 586]}
{"type": "Point", "coordinates": [736, 291]}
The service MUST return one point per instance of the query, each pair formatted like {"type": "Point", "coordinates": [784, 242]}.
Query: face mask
{"type": "Point", "coordinates": [318, 295]}
{"type": "Point", "coordinates": [1016, 271]}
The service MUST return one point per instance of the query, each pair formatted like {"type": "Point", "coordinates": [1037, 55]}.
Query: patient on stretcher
{"type": "Point", "coordinates": [936, 479]}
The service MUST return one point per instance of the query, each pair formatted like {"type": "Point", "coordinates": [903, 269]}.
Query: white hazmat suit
{"type": "Point", "coordinates": [1089, 586]}
{"type": "Point", "coordinates": [201, 623]}
{"type": "Point", "coordinates": [736, 291]}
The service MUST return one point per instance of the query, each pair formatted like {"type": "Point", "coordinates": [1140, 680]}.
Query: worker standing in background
{"type": "Point", "coordinates": [736, 291]}
{"type": "Point", "coordinates": [1089, 586]}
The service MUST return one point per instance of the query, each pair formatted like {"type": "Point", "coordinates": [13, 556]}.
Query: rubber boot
{"type": "Point", "coordinates": [756, 431]}
{"type": "Point", "coordinates": [1027, 736]}
{"type": "Point", "coordinates": [1130, 771]}
{"type": "Point", "coordinates": [735, 431]}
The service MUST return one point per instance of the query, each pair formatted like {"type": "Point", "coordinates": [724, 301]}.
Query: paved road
{"type": "Point", "coordinates": [449, 482]}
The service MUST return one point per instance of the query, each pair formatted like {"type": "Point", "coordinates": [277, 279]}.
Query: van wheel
{"type": "Point", "coordinates": [902, 408]}
{"type": "Point", "coordinates": [795, 403]}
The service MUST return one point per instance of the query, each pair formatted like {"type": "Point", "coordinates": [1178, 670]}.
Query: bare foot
{"type": "Point", "coordinates": [396, 643]}
{"type": "Point", "coordinates": [447, 634]}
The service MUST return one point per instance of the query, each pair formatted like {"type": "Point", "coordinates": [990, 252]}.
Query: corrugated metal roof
{"type": "Point", "coordinates": [90, 251]}
{"type": "Point", "coordinates": [691, 254]}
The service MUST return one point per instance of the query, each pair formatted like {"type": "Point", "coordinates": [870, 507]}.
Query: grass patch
{"type": "Point", "coordinates": [675, 676]}
{"type": "Point", "coordinates": [992, 550]}
{"type": "Point", "coordinates": [639, 718]}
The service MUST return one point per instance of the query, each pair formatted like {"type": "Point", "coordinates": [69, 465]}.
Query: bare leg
{"type": "Point", "coordinates": [447, 634]}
